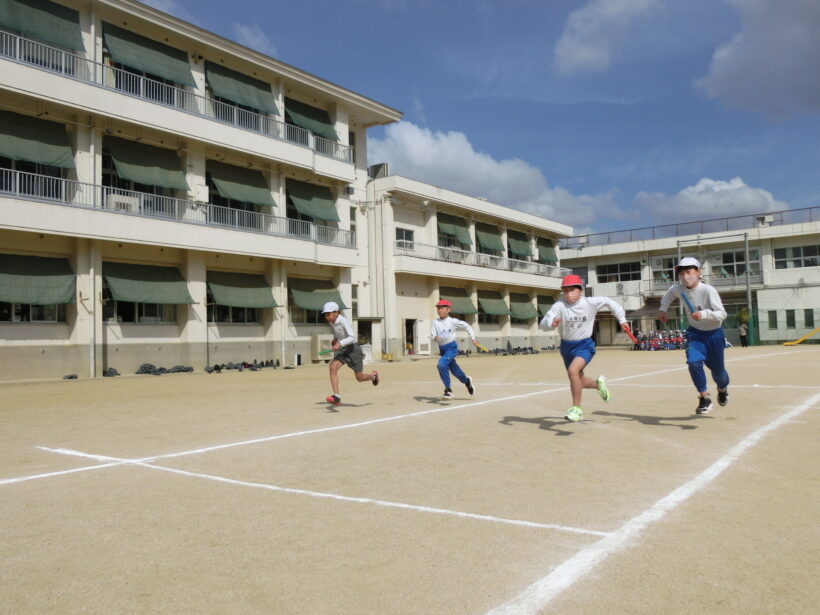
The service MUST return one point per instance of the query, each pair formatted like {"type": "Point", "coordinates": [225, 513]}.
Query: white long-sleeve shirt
{"type": "Point", "coordinates": [445, 329]}
{"type": "Point", "coordinates": [578, 319]}
{"type": "Point", "coordinates": [342, 331]}
{"type": "Point", "coordinates": [704, 298]}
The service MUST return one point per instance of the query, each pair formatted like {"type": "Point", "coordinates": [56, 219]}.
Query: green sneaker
{"type": "Point", "coordinates": [574, 414]}
{"type": "Point", "coordinates": [602, 390]}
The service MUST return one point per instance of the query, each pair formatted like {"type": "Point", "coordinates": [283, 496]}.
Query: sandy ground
{"type": "Point", "coordinates": [247, 493]}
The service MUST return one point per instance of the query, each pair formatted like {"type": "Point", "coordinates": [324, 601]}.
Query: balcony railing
{"type": "Point", "coordinates": [739, 281]}
{"type": "Point", "coordinates": [35, 187]}
{"type": "Point", "coordinates": [718, 225]}
{"type": "Point", "coordinates": [452, 255]}
{"type": "Point", "coordinates": [25, 51]}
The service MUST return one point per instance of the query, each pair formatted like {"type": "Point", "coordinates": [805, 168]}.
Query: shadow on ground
{"type": "Point", "coordinates": [658, 421]}
{"type": "Point", "coordinates": [549, 423]}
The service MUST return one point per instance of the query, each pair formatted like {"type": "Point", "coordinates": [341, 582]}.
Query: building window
{"type": "Point", "coordinates": [30, 313]}
{"type": "Point", "coordinates": [353, 220]}
{"type": "Point", "coordinates": [772, 319]}
{"type": "Point", "coordinates": [225, 314]}
{"type": "Point", "coordinates": [619, 272]}
{"type": "Point", "coordinates": [404, 238]}
{"type": "Point", "coordinates": [663, 270]}
{"type": "Point", "coordinates": [487, 319]}
{"type": "Point", "coordinates": [791, 320]}
{"type": "Point", "coordinates": [301, 316]}
{"type": "Point", "coordinates": [809, 318]}
{"type": "Point", "coordinates": [242, 214]}
{"type": "Point", "coordinates": [354, 301]}
{"type": "Point", "coordinates": [32, 179]}
{"type": "Point", "coordinates": [138, 313]}
{"type": "Point", "coordinates": [733, 264]}
{"type": "Point", "coordinates": [145, 85]}
{"type": "Point", "coordinates": [799, 256]}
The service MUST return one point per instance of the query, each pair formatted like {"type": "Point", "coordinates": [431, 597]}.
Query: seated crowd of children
{"type": "Point", "coordinates": [661, 340]}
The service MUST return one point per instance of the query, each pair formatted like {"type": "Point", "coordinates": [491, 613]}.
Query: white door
{"type": "Point", "coordinates": [421, 334]}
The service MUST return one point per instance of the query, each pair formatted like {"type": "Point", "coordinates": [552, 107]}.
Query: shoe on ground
{"type": "Point", "coordinates": [333, 399]}
{"type": "Point", "coordinates": [374, 378]}
{"type": "Point", "coordinates": [602, 390]}
{"type": "Point", "coordinates": [448, 393]}
{"type": "Point", "coordinates": [723, 397]}
{"type": "Point", "coordinates": [704, 405]}
{"type": "Point", "coordinates": [470, 387]}
{"type": "Point", "coordinates": [574, 414]}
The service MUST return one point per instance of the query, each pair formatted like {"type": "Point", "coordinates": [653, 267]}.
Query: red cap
{"type": "Point", "coordinates": [444, 302]}
{"type": "Point", "coordinates": [572, 280]}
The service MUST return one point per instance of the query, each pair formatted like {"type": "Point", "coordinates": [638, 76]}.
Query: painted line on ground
{"type": "Point", "coordinates": [536, 597]}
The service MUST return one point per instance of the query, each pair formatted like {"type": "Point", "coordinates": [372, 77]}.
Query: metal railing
{"type": "Point", "coordinates": [464, 257]}
{"type": "Point", "coordinates": [25, 51]}
{"type": "Point", "coordinates": [661, 286]}
{"type": "Point", "coordinates": [77, 194]}
{"type": "Point", "coordinates": [718, 225]}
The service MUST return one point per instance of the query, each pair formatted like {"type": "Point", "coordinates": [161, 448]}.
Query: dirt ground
{"type": "Point", "coordinates": [246, 493]}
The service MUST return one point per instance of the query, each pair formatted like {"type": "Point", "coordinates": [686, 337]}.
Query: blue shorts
{"type": "Point", "coordinates": [577, 348]}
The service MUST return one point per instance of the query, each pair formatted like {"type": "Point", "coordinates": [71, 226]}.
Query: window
{"type": "Point", "coordinates": [239, 115]}
{"type": "Point", "coordinates": [772, 319]}
{"type": "Point", "coordinates": [302, 316]}
{"type": "Point", "coordinates": [145, 85]}
{"type": "Point", "coordinates": [231, 315]}
{"type": "Point", "coordinates": [790, 319]}
{"type": "Point", "coordinates": [354, 301]}
{"type": "Point", "coordinates": [808, 318]}
{"type": "Point", "coordinates": [663, 270]}
{"type": "Point", "coordinates": [620, 272]}
{"type": "Point", "coordinates": [488, 319]}
{"type": "Point", "coordinates": [241, 214]}
{"type": "Point", "coordinates": [799, 256]}
{"type": "Point", "coordinates": [132, 312]}
{"type": "Point", "coordinates": [404, 238]}
{"type": "Point", "coordinates": [353, 220]}
{"type": "Point", "coordinates": [154, 200]}
{"type": "Point", "coordinates": [731, 265]}
{"type": "Point", "coordinates": [30, 313]}
{"type": "Point", "coordinates": [31, 179]}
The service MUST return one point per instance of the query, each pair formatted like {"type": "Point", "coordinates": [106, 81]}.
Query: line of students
{"type": "Point", "coordinates": [573, 315]}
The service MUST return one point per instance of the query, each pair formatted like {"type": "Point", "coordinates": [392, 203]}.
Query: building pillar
{"type": "Point", "coordinates": [195, 330]}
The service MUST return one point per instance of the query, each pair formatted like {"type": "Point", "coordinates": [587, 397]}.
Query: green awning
{"type": "Point", "coordinates": [489, 238]}
{"type": "Point", "coordinates": [445, 228]}
{"type": "Point", "coordinates": [313, 294]}
{"type": "Point", "coordinates": [146, 284]}
{"type": "Point", "coordinates": [240, 184]}
{"type": "Point", "coordinates": [521, 307]}
{"type": "Point", "coordinates": [242, 290]}
{"type": "Point", "coordinates": [460, 300]}
{"type": "Point", "coordinates": [544, 304]}
{"type": "Point", "coordinates": [42, 20]}
{"type": "Point", "coordinates": [147, 55]}
{"type": "Point", "coordinates": [36, 279]}
{"type": "Point", "coordinates": [491, 302]}
{"type": "Point", "coordinates": [23, 137]}
{"type": "Point", "coordinates": [546, 251]}
{"type": "Point", "coordinates": [457, 227]}
{"type": "Point", "coordinates": [146, 164]}
{"type": "Point", "coordinates": [310, 118]}
{"type": "Point", "coordinates": [312, 200]}
{"type": "Point", "coordinates": [519, 245]}
{"type": "Point", "coordinates": [240, 89]}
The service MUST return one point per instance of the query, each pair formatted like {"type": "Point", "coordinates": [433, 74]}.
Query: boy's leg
{"type": "Point", "coordinates": [335, 366]}
{"type": "Point", "coordinates": [578, 380]}
{"type": "Point", "coordinates": [715, 362]}
{"type": "Point", "coordinates": [695, 358]}
{"type": "Point", "coordinates": [448, 354]}
{"type": "Point", "coordinates": [456, 370]}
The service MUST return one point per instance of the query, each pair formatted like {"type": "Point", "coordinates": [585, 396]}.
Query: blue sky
{"type": "Point", "coordinates": [601, 114]}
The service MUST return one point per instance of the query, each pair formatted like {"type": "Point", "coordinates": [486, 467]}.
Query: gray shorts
{"type": "Point", "coordinates": [351, 355]}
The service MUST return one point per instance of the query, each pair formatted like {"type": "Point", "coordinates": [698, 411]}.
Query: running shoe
{"type": "Point", "coordinates": [333, 399]}
{"type": "Point", "coordinates": [723, 397]}
{"type": "Point", "coordinates": [469, 385]}
{"type": "Point", "coordinates": [574, 414]}
{"type": "Point", "coordinates": [602, 390]}
{"type": "Point", "coordinates": [374, 377]}
{"type": "Point", "coordinates": [448, 393]}
{"type": "Point", "coordinates": [704, 405]}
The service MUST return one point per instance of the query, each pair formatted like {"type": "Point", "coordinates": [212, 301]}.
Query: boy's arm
{"type": "Point", "coordinates": [666, 301]}
{"type": "Point", "coordinates": [716, 313]}
{"type": "Point", "coordinates": [614, 307]}
{"type": "Point", "coordinates": [549, 318]}
{"type": "Point", "coordinates": [460, 324]}
{"type": "Point", "coordinates": [349, 338]}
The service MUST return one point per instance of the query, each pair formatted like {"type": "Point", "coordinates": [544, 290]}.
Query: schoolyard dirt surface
{"type": "Point", "coordinates": [247, 493]}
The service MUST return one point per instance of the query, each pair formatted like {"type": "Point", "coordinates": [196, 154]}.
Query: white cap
{"type": "Point", "coordinates": [330, 306]}
{"type": "Point", "coordinates": [687, 261]}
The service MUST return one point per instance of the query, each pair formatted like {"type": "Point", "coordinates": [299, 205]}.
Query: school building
{"type": "Point", "coordinates": [766, 268]}
{"type": "Point", "coordinates": [170, 197]}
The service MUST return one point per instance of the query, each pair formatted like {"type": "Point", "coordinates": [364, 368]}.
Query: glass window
{"type": "Point", "coordinates": [26, 312]}
{"type": "Point", "coordinates": [790, 319]}
{"type": "Point", "coordinates": [798, 256]}
{"type": "Point", "coordinates": [404, 238]}
{"type": "Point", "coordinates": [132, 312]}
{"type": "Point", "coordinates": [733, 264]}
{"type": "Point", "coordinates": [663, 269]}
{"type": "Point", "coordinates": [808, 318]}
{"type": "Point", "coordinates": [620, 272]}
{"type": "Point", "coordinates": [301, 316]}
{"type": "Point", "coordinates": [772, 319]}
{"type": "Point", "coordinates": [231, 315]}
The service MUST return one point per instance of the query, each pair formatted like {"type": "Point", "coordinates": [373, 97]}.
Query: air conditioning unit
{"type": "Point", "coordinates": [619, 288]}
{"type": "Point", "coordinates": [319, 343]}
{"type": "Point", "coordinates": [349, 190]}
{"type": "Point", "coordinates": [122, 202]}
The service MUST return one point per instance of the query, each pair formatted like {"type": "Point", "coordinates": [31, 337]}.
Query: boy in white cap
{"type": "Point", "coordinates": [705, 313]}
{"type": "Point", "coordinates": [574, 316]}
{"type": "Point", "coordinates": [444, 334]}
{"type": "Point", "coordinates": [347, 351]}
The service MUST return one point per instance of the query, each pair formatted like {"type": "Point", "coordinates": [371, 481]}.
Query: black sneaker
{"type": "Point", "coordinates": [704, 405]}
{"type": "Point", "coordinates": [448, 393]}
{"type": "Point", "coordinates": [723, 397]}
{"type": "Point", "coordinates": [470, 387]}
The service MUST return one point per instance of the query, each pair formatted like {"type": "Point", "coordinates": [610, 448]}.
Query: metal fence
{"type": "Point", "coordinates": [452, 255]}
{"type": "Point", "coordinates": [29, 52]}
{"type": "Point", "coordinates": [77, 194]}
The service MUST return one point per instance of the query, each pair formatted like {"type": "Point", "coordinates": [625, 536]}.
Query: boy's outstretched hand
{"type": "Point", "coordinates": [662, 317]}
{"type": "Point", "coordinates": [555, 322]}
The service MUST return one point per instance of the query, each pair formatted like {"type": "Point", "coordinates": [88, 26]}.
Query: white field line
{"type": "Point", "coordinates": [536, 597]}
{"type": "Point", "coordinates": [332, 496]}
{"type": "Point", "coordinates": [360, 424]}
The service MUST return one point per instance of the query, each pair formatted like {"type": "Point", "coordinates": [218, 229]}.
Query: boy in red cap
{"type": "Point", "coordinates": [574, 316]}
{"type": "Point", "coordinates": [444, 333]}
{"type": "Point", "coordinates": [705, 313]}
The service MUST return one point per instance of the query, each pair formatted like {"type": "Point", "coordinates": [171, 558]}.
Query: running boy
{"type": "Point", "coordinates": [574, 315]}
{"type": "Point", "coordinates": [444, 333]}
{"type": "Point", "coordinates": [347, 351]}
{"type": "Point", "coordinates": [705, 313]}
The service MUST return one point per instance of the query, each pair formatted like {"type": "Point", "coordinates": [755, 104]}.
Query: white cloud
{"type": "Point", "coordinates": [595, 32]}
{"type": "Point", "coordinates": [253, 37]}
{"type": "Point", "coordinates": [706, 200]}
{"type": "Point", "coordinates": [769, 65]}
{"type": "Point", "coordinates": [172, 7]}
{"type": "Point", "coordinates": [448, 160]}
